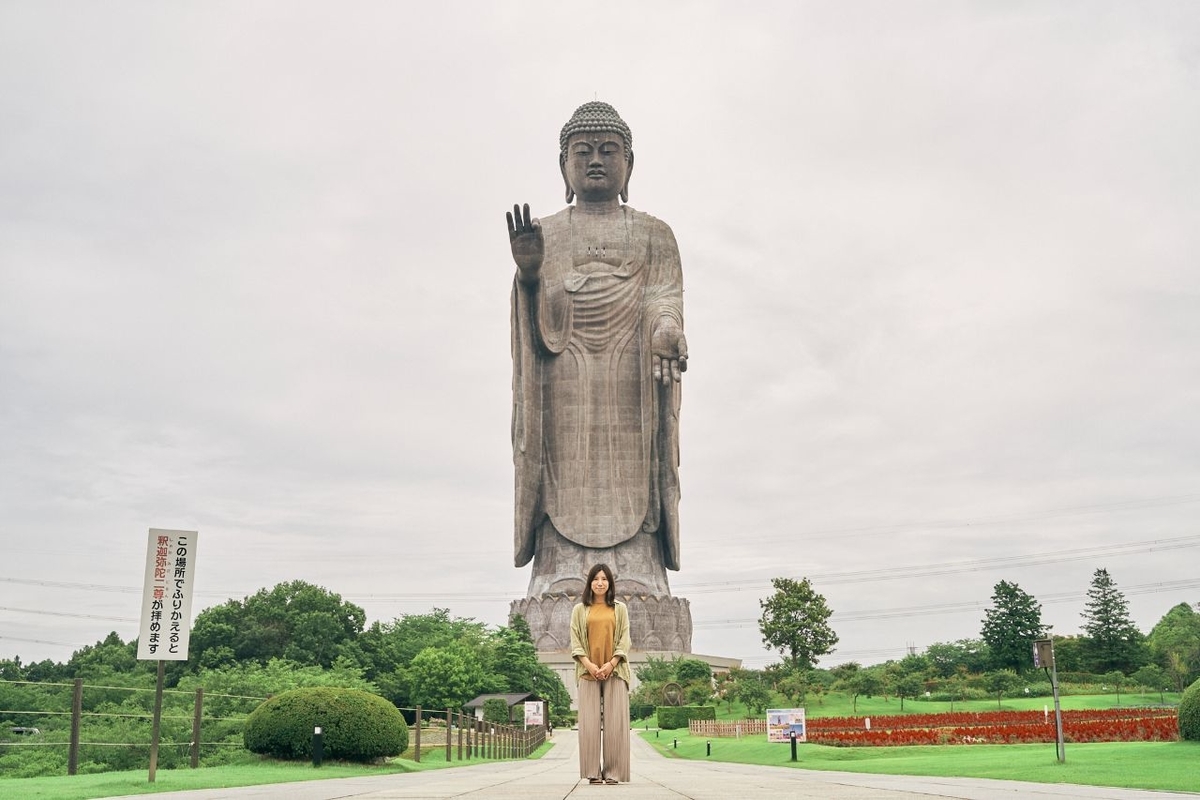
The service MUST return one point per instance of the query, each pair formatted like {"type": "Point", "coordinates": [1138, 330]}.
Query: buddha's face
{"type": "Point", "coordinates": [597, 167]}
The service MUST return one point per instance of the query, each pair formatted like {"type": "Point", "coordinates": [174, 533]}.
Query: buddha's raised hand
{"type": "Point", "coordinates": [528, 245]}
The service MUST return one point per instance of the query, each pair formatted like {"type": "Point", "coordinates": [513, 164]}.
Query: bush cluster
{"type": "Point", "coordinates": [356, 725]}
{"type": "Point", "coordinates": [670, 717]}
{"type": "Point", "coordinates": [1189, 713]}
{"type": "Point", "coordinates": [640, 710]}
{"type": "Point", "coordinates": [496, 710]}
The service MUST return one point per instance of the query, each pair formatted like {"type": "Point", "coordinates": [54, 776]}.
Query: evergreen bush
{"type": "Point", "coordinates": [356, 725]}
{"type": "Point", "coordinates": [1189, 713]}
{"type": "Point", "coordinates": [670, 717]}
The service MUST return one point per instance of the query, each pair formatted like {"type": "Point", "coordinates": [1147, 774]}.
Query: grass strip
{"type": "Point", "coordinates": [1169, 766]}
{"type": "Point", "coordinates": [115, 784]}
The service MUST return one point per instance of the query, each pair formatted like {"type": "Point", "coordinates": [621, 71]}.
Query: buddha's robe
{"type": "Point", "coordinates": [595, 438]}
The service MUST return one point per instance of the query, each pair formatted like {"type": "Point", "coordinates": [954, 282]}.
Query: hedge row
{"type": "Point", "coordinates": [670, 717]}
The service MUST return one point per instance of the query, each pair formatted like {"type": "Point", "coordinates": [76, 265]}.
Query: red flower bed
{"type": "Point", "coordinates": [996, 727]}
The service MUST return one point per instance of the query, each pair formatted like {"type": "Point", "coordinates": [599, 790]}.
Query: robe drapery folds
{"type": "Point", "coordinates": [595, 438]}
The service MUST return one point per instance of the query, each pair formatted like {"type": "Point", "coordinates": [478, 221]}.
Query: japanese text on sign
{"type": "Point", "coordinates": [167, 595]}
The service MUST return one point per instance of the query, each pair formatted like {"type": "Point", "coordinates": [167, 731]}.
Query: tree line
{"type": "Point", "coordinates": [432, 660]}
{"type": "Point", "coordinates": [1111, 649]}
{"type": "Point", "coordinates": [435, 660]}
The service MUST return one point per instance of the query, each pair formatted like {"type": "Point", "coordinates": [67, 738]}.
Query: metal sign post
{"type": "Point", "coordinates": [1043, 656]}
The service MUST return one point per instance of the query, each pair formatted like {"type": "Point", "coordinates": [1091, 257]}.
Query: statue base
{"type": "Point", "coordinates": [658, 623]}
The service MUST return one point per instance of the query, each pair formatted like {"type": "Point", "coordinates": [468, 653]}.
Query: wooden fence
{"type": "Point", "coordinates": [190, 702]}
{"type": "Point", "coordinates": [724, 728]}
{"type": "Point", "coordinates": [475, 737]}
{"type": "Point", "coordinates": [189, 719]}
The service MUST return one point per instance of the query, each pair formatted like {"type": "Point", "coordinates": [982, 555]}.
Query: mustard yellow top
{"type": "Point", "coordinates": [611, 635]}
{"type": "Point", "coordinates": [601, 623]}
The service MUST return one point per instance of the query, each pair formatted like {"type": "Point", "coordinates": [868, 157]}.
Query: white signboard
{"type": "Point", "coordinates": [167, 596]}
{"type": "Point", "coordinates": [533, 712]}
{"type": "Point", "coordinates": [783, 722]}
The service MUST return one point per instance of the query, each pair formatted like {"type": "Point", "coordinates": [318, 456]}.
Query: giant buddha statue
{"type": "Point", "coordinates": [598, 354]}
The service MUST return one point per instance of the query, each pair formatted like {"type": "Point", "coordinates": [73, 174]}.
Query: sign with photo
{"type": "Point", "coordinates": [783, 722]}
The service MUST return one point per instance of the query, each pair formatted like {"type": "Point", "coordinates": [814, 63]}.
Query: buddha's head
{"type": "Point", "coordinates": [596, 154]}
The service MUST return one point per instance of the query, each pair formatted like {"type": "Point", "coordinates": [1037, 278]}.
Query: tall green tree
{"type": "Point", "coordinates": [446, 677]}
{"type": "Point", "coordinates": [1068, 653]}
{"type": "Point", "coordinates": [515, 660]}
{"type": "Point", "coordinates": [1011, 625]}
{"type": "Point", "coordinates": [389, 648]}
{"type": "Point", "coordinates": [795, 621]}
{"type": "Point", "coordinates": [1175, 644]}
{"type": "Point", "coordinates": [297, 621]}
{"type": "Point", "coordinates": [108, 657]}
{"type": "Point", "coordinates": [1113, 641]}
{"type": "Point", "coordinates": [946, 659]}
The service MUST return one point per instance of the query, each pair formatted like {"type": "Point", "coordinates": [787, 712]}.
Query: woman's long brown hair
{"type": "Point", "coordinates": [610, 597]}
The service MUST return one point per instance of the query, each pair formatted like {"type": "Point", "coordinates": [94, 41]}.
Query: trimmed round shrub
{"type": "Point", "coordinates": [355, 725]}
{"type": "Point", "coordinates": [1189, 713]}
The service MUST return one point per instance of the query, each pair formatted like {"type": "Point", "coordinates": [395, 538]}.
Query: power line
{"type": "Point", "coordinates": [37, 641]}
{"type": "Point", "coordinates": [65, 614]}
{"type": "Point", "coordinates": [995, 519]}
{"type": "Point", "coordinates": [382, 597]}
{"type": "Point", "coordinates": [971, 565]}
{"type": "Point", "coordinates": [954, 608]}
{"type": "Point", "coordinates": [847, 577]}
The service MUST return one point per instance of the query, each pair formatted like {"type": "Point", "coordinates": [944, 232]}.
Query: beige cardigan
{"type": "Point", "coordinates": [621, 647]}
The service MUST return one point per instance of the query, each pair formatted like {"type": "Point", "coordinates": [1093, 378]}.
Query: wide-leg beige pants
{"type": "Point", "coordinates": [604, 729]}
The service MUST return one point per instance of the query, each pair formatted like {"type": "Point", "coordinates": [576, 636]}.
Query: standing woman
{"type": "Point", "coordinates": [600, 646]}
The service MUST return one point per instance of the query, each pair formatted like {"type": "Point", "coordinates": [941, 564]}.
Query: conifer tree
{"type": "Point", "coordinates": [1010, 627]}
{"type": "Point", "coordinates": [1113, 641]}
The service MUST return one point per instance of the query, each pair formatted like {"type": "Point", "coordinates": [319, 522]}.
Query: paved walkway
{"type": "Point", "coordinates": [555, 776]}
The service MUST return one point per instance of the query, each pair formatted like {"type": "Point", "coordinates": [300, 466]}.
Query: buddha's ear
{"type": "Point", "coordinates": [628, 174]}
{"type": "Point", "coordinates": [562, 167]}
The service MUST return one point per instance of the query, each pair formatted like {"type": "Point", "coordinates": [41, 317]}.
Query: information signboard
{"type": "Point", "coordinates": [783, 722]}
{"type": "Point", "coordinates": [167, 596]}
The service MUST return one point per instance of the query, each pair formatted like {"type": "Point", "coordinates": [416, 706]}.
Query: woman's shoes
{"type": "Point", "coordinates": [611, 781]}
{"type": "Point", "coordinates": [596, 781]}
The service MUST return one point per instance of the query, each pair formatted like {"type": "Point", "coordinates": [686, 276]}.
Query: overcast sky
{"type": "Point", "coordinates": [942, 300]}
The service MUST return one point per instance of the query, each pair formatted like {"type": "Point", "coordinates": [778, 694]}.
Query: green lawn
{"type": "Point", "coordinates": [1171, 766]}
{"type": "Point", "coordinates": [836, 704]}
{"type": "Point", "coordinates": [1146, 765]}
{"type": "Point", "coordinates": [113, 784]}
